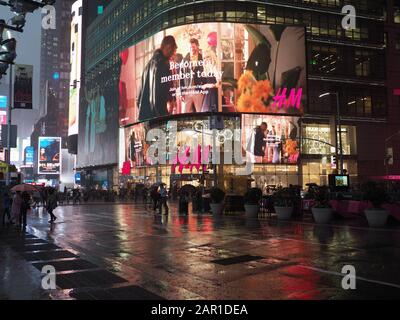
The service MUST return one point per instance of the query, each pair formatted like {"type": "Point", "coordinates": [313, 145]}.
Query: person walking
{"type": "Point", "coordinates": [163, 199]}
{"type": "Point", "coordinates": [6, 202]}
{"type": "Point", "coordinates": [16, 207]}
{"type": "Point", "coordinates": [51, 205]}
{"type": "Point", "coordinates": [155, 197]}
{"type": "Point", "coordinates": [25, 206]}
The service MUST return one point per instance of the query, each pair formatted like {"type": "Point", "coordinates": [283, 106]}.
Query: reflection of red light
{"type": "Point", "coordinates": [126, 168]}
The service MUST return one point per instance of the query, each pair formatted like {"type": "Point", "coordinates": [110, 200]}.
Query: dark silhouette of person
{"type": "Point", "coordinates": [259, 141]}
{"type": "Point", "coordinates": [154, 93]}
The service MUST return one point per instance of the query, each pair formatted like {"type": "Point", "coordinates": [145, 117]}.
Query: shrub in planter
{"type": "Point", "coordinates": [217, 195]}
{"type": "Point", "coordinates": [252, 200]}
{"type": "Point", "coordinates": [375, 194]}
{"type": "Point", "coordinates": [322, 211]}
{"type": "Point", "coordinates": [217, 200]}
{"type": "Point", "coordinates": [283, 204]}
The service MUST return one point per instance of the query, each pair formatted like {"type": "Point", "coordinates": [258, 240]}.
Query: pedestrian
{"type": "Point", "coordinates": [25, 206]}
{"type": "Point", "coordinates": [51, 205]}
{"type": "Point", "coordinates": [6, 202]}
{"type": "Point", "coordinates": [163, 199]}
{"type": "Point", "coordinates": [144, 195]}
{"type": "Point", "coordinates": [184, 203]}
{"type": "Point", "coordinates": [16, 207]}
{"type": "Point", "coordinates": [155, 197]}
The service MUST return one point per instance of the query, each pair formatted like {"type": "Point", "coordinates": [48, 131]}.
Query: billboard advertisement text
{"type": "Point", "coordinates": [49, 158]}
{"type": "Point", "coordinates": [207, 67]}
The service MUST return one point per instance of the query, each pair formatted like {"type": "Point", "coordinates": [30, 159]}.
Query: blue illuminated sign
{"type": "Point", "coordinates": [29, 156]}
{"type": "Point", "coordinates": [3, 101]}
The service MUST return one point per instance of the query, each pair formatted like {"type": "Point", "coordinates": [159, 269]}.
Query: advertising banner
{"type": "Point", "coordinates": [207, 67]}
{"type": "Point", "coordinates": [23, 86]}
{"type": "Point", "coordinates": [3, 102]}
{"type": "Point", "coordinates": [49, 157]}
{"type": "Point", "coordinates": [29, 156]}
{"type": "Point", "coordinates": [75, 75]}
{"type": "Point", "coordinates": [271, 139]}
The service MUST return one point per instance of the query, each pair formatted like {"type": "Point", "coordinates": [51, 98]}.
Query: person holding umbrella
{"type": "Point", "coordinates": [25, 206]}
{"type": "Point", "coordinates": [16, 207]}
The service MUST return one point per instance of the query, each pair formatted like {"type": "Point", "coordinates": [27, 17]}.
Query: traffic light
{"type": "Point", "coordinates": [7, 54]}
{"type": "Point", "coordinates": [333, 161]}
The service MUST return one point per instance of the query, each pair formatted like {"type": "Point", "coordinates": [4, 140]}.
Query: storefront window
{"type": "Point", "coordinates": [317, 139]}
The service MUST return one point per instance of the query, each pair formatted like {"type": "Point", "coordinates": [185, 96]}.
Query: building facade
{"type": "Point", "coordinates": [354, 65]}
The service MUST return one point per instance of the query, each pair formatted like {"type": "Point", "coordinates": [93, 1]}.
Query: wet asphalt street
{"type": "Point", "coordinates": [121, 251]}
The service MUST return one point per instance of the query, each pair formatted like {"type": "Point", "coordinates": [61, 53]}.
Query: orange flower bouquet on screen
{"type": "Point", "coordinates": [254, 94]}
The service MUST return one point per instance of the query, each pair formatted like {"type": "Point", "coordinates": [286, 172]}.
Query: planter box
{"type": "Point", "coordinates": [322, 215]}
{"type": "Point", "coordinates": [376, 218]}
{"type": "Point", "coordinates": [284, 213]}
{"type": "Point", "coordinates": [252, 210]}
{"type": "Point", "coordinates": [217, 208]}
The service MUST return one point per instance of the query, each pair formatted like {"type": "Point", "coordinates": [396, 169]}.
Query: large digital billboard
{"type": "Point", "coordinates": [206, 67]}
{"type": "Point", "coordinates": [271, 139]}
{"type": "Point", "coordinates": [75, 85]}
{"type": "Point", "coordinates": [23, 86]}
{"type": "Point", "coordinates": [98, 124]}
{"type": "Point", "coordinates": [49, 157]}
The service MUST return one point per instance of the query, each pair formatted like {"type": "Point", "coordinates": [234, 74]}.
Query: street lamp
{"type": "Point", "coordinates": [338, 125]}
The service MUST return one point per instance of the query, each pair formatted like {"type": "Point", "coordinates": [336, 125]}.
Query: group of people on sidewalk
{"type": "Point", "coordinates": [14, 207]}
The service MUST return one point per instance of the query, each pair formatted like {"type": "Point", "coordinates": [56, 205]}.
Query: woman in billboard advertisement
{"type": "Point", "coordinates": [225, 67]}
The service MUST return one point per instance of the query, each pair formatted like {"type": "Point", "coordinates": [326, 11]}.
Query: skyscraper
{"type": "Point", "coordinates": [55, 69]}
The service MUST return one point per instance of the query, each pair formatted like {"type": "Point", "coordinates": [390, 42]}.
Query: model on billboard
{"type": "Point", "coordinates": [274, 140]}
{"type": "Point", "coordinates": [154, 95]}
{"type": "Point", "coordinates": [224, 67]}
{"type": "Point", "coordinates": [191, 94]}
{"type": "Point", "coordinates": [49, 155]}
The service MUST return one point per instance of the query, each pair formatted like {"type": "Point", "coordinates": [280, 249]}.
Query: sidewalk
{"type": "Point", "coordinates": [19, 280]}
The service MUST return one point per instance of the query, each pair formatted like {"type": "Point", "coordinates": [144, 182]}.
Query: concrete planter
{"type": "Point", "coordinates": [284, 213]}
{"type": "Point", "coordinates": [322, 215]}
{"type": "Point", "coordinates": [217, 208]}
{"type": "Point", "coordinates": [252, 210]}
{"type": "Point", "coordinates": [376, 218]}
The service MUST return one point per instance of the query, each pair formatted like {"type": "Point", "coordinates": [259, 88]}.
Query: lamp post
{"type": "Point", "coordinates": [338, 126]}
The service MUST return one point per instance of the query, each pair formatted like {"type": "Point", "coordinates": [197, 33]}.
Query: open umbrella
{"type": "Point", "coordinates": [187, 188]}
{"type": "Point", "coordinates": [24, 187]}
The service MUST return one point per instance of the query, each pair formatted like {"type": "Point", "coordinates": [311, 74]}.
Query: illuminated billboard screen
{"type": "Point", "coordinates": [225, 67]}
{"type": "Point", "coordinates": [49, 157]}
{"type": "Point", "coordinates": [29, 156]}
{"type": "Point", "coordinates": [271, 139]}
{"type": "Point", "coordinates": [3, 102]}
{"type": "Point", "coordinates": [188, 146]}
{"type": "Point", "coordinates": [75, 75]}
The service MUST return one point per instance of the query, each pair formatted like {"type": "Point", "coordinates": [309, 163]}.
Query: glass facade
{"type": "Point", "coordinates": [349, 62]}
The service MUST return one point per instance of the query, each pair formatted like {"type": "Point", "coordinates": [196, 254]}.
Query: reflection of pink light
{"type": "Point", "coordinates": [396, 92]}
{"type": "Point", "coordinates": [388, 177]}
{"type": "Point", "coordinates": [294, 100]}
{"type": "Point", "coordinates": [126, 168]}
{"type": "Point", "coordinates": [185, 162]}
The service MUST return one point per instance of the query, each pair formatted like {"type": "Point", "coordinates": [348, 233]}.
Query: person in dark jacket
{"type": "Point", "coordinates": [52, 204]}
{"type": "Point", "coordinates": [154, 94]}
{"type": "Point", "coordinates": [260, 141]}
{"type": "Point", "coordinates": [25, 206]}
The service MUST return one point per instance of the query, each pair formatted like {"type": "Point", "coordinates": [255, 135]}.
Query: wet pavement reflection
{"type": "Point", "coordinates": [131, 251]}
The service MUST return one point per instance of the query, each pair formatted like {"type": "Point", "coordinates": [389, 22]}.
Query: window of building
{"type": "Point", "coordinates": [397, 43]}
{"type": "Point", "coordinates": [396, 12]}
